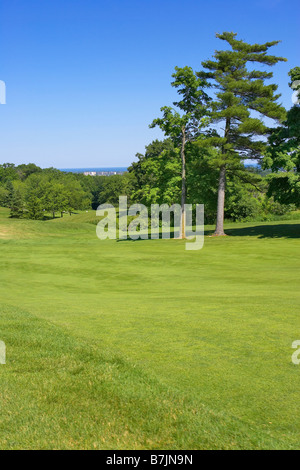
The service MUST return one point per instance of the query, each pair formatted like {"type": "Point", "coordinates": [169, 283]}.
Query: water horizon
{"type": "Point", "coordinates": [96, 169]}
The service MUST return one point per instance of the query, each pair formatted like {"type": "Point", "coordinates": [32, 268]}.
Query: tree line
{"type": "Point", "coordinates": [221, 115]}
{"type": "Point", "coordinates": [217, 123]}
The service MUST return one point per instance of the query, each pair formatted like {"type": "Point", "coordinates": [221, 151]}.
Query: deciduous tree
{"type": "Point", "coordinates": [283, 152]}
{"type": "Point", "coordinates": [183, 126]}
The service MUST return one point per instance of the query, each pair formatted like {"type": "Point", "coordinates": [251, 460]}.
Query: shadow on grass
{"type": "Point", "coordinates": [259, 231]}
{"type": "Point", "coordinates": [158, 235]}
{"type": "Point", "coordinates": [266, 231]}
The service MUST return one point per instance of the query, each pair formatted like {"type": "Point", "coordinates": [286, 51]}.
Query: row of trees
{"type": "Point", "coordinates": [219, 122]}
{"type": "Point", "coordinates": [156, 178]}
{"type": "Point", "coordinates": [30, 191]}
{"type": "Point", "coordinates": [283, 152]}
{"type": "Point", "coordinates": [216, 124]}
{"type": "Point", "coordinates": [229, 126]}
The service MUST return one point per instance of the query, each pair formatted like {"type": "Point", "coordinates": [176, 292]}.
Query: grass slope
{"type": "Point", "coordinates": [182, 349]}
{"type": "Point", "coordinates": [61, 393]}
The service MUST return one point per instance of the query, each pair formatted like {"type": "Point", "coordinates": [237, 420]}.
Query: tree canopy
{"type": "Point", "coordinates": [283, 152]}
{"type": "Point", "coordinates": [242, 99]}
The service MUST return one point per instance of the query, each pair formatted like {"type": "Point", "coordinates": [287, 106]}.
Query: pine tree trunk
{"type": "Point", "coordinates": [183, 185]}
{"type": "Point", "coordinates": [221, 202]}
{"type": "Point", "coordinates": [222, 187]}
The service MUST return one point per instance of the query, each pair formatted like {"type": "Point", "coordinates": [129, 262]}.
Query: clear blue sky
{"type": "Point", "coordinates": [85, 77]}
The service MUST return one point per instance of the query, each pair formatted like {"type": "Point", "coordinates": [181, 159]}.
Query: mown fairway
{"type": "Point", "coordinates": [141, 344]}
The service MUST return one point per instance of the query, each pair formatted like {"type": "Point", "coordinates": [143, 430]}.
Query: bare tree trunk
{"type": "Point", "coordinates": [183, 185]}
{"type": "Point", "coordinates": [221, 201]}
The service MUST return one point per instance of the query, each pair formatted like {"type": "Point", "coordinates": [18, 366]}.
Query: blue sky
{"type": "Point", "coordinates": [86, 77]}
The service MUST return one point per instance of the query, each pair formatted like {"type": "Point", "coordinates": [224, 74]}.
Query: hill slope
{"type": "Point", "coordinates": [145, 345]}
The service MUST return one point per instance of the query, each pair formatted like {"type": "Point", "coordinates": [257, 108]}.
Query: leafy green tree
{"type": "Point", "coordinates": [57, 198]}
{"type": "Point", "coordinates": [54, 191]}
{"type": "Point", "coordinates": [157, 174]}
{"type": "Point", "coordinates": [3, 196]}
{"type": "Point", "coordinates": [9, 193]}
{"type": "Point", "coordinates": [139, 168]}
{"type": "Point", "coordinates": [77, 198]}
{"type": "Point", "coordinates": [16, 204]}
{"type": "Point", "coordinates": [92, 187]}
{"type": "Point", "coordinates": [158, 180]}
{"type": "Point", "coordinates": [202, 177]}
{"type": "Point", "coordinates": [34, 197]}
{"type": "Point", "coordinates": [8, 172]}
{"type": "Point", "coordinates": [33, 205]}
{"type": "Point", "coordinates": [245, 189]}
{"type": "Point", "coordinates": [25, 170]}
{"type": "Point", "coordinates": [283, 153]}
{"type": "Point", "coordinates": [115, 186]}
{"type": "Point", "coordinates": [183, 126]}
{"type": "Point", "coordinates": [241, 101]}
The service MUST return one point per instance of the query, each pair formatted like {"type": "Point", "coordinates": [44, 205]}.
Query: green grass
{"type": "Point", "coordinates": [141, 344]}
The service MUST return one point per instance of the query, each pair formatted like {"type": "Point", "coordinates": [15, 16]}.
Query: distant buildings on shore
{"type": "Point", "coordinates": [103, 173]}
{"type": "Point", "coordinates": [98, 171]}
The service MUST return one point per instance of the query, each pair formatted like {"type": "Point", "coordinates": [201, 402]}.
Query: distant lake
{"type": "Point", "coordinates": [82, 170]}
{"type": "Point", "coordinates": [121, 169]}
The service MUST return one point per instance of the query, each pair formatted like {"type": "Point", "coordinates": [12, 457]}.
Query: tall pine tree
{"type": "Point", "coordinates": [242, 100]}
